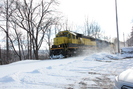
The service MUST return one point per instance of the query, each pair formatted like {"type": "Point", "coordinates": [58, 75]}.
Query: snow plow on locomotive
{"type": "Point", "coordinates": [67, 43]}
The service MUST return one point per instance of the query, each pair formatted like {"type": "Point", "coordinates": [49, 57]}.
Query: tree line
{"type": "Point", "coordinates": [26, 23]}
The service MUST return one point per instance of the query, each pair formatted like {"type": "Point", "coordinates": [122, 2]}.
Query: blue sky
{"type": "Point", "coordinates": [101, 11]}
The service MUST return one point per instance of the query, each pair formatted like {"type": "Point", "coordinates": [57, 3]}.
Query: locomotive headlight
{"type": "Point", "coordinates": [59, 46]}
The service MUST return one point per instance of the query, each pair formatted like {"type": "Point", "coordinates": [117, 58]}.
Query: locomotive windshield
{"type": "Point", "coordinates": [67, 34]}
{"type": "Point", "coordinates": [62, 34]}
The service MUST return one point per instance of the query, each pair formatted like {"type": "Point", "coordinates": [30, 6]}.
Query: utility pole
{"type": "Point", "coordinates": [7, 35]}
{"type": "Point", "coordinates": [124, 39]}
{"type": "Point", "coordinates": [117, 27]}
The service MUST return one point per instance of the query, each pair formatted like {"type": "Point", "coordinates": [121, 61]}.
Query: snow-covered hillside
{"type": "Point", "coordinates": [84, 72]}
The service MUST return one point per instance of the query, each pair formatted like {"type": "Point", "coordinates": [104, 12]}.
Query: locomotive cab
{"type": "Point", "coordinates": [64, 43]}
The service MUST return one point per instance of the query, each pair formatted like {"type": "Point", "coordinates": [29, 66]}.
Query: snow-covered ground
{"type": "Point", "coordinates": [96, 71]}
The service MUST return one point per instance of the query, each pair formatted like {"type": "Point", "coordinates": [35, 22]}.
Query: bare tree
{"type": "Point", "coordinates": [57, 26]}
{"type": "Point", "coordinates": [87, 30]}
{"type": "Point", "coordinates": [48, 38]}
{"type": "Point", "coordinates": [7, 28]}
{"type": "Point", "coordinates": [92, 29]}
{"type": "Point", "coordinates": [5, 17]}
{"type": "Point", "coordinates": [16, 39]}
{"type": "Point", "coordinates": [66, 26]}
{"type": "Point", "coordinates": [35, 20]}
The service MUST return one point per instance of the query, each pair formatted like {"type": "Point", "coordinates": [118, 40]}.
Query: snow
{"type": "Point", "coordinates": [127, 49]}
{"type": "Point", "coordinates": [92, 71]}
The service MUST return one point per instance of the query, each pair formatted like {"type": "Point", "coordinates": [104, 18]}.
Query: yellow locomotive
{"type": "Point", "coordinates": [67, 43]}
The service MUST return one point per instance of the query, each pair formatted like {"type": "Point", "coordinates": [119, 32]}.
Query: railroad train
{"type": "Point", "coordinates": [68, 43]}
